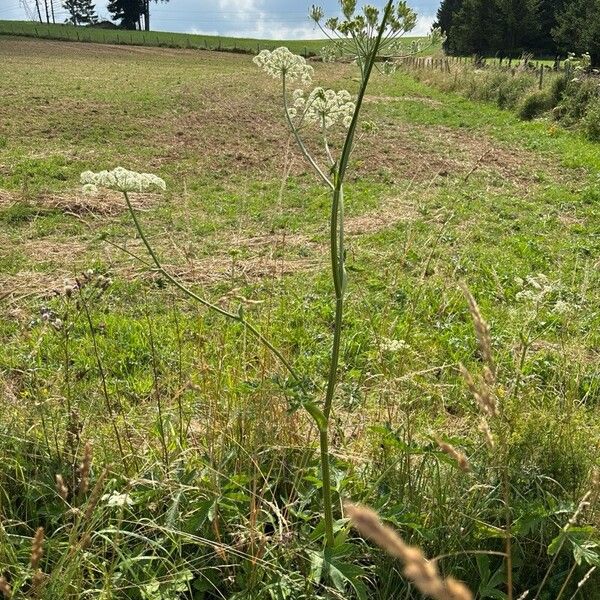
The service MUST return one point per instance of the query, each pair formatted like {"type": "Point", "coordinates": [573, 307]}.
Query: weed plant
{"type": "Point", "coordinates": [163, 451]}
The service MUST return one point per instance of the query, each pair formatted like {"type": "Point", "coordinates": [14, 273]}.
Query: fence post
{"type": "Point", "coordinates": [541, 76]}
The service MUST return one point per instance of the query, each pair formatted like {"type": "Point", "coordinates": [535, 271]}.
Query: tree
{"type": "Point", "coordinates": [549, 10]}
{"type": "Point", "coordinates": [518, 25]}
{"type": "Point", "coordinates": [132, 13]}
{"type": "Point", "coordinates": [578, 28]}
{"type": "Point", "coordinates": [128, 12]}
{"type": "Point", "coordinates": [474, 28]}
{"type": "Point", "coordinates": [83, 12]}
{"type": "Point", "coordinates": [445, 18]}
{"type": "Point", "coordinates": [147, 12]}
{"type": "Point", "coordinates": [39, 12]}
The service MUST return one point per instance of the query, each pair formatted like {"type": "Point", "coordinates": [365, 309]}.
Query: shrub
{"type": "Point", "coordinates": [578, 94]}
{"type": "Point", "coordinates": [557, 89]}
{"type": "Point", "coordinates": [533, 105]}
{"type": "Point", "coordinates": [591, 120]}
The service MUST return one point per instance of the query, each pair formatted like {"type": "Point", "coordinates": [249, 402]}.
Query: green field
{"type": "Point", "coordinates": [150, 38]}
{"type": "Point", "coordinates": [72, 33]}
{"type": "Point", "coordinates": [195, 423]}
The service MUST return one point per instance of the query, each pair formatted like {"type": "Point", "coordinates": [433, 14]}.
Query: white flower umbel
{"type": "Point", "coordinates": [324, 107]}
{"type": "Point", "coordinates": [393, 346]}
{"type": "Point", "coordinates": [122, 180]}
{"type": "Point", "coordinates": [116, 499]}
{"type": "Point", "coordinates": [283, 63]}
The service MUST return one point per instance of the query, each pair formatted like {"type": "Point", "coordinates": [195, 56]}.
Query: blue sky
{"type": "Point", "coordinates": [277, 19]}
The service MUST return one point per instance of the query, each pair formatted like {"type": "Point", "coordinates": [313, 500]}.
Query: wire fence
{"type": "Point", "coordinates": [72, 33]}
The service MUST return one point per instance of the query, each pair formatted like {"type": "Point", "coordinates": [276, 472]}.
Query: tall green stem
{"type": "Point", "coordinates": [337, 251]}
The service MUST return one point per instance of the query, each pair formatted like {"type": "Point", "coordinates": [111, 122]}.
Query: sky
{"type": "Point", "coordinates": [266, 19]}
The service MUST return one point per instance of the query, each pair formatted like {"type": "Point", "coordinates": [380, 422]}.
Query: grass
{"type": "Point", "coordinates": [150, 38]}
{"type": "Point", "coordinates": [220, 469]}
{"type": "Point", "coordinates": [167, 39]}
{"type": "Point", "coordinates": [570, 102]}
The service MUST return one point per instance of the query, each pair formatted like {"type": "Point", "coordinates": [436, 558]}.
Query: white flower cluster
{"type": "Point", "coordinates": [122, 180]}
{"type": "Point", "coordinates": [392, 346]}
{"type": "Point", "coordinates": [116, 499]}
{"type": "Point", "coordinates": [535, 288]}
{"type": "Point", "coordinates": [324, 107]}
{"type": "Point", "coordinates": [540, 290]}
{"type": "Point", "coordinates": [564, 308]}
{"type": "Point", "coordinates": [283, 63]}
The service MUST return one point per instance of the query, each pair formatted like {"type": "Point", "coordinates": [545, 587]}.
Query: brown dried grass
{"type": "Point", "coordinates": [423, 573]}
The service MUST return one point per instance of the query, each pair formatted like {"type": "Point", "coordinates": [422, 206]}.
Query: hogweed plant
{"type": "Point", "coordinates": [355, 36]}
{"type": "Point", "coordinates": [365, 36]}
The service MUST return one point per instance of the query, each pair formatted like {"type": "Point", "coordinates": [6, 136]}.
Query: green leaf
{"type": "Point", "coordinates": [584, 543]}
{"type": "Point", "coordinates": [586, 553]}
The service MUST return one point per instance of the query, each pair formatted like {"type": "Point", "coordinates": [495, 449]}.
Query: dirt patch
{"type": "Point", "coordinates": [425, 152]}
{"type": "Point", "coordinates": [7, 199]}
{"type": "Point", "coordinates": [104, 203]}
{"type": "Point", "coordinates": [248, 260]}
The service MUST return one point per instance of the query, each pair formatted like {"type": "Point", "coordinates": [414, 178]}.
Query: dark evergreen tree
{"type": "Point", "coordinates": [445, 18]}
{"type": "Point", "coordinates": [474, 28]}
{"type": "Point", "coordinates": [128, 12]}
{"type": "Point", "coordinates": [518, 23]}
{"type": "Point", "coordinates": [511, 27]}
{"type": "Point", "coordinates": [82, 12]}
{"type": "Point", "coordinates": [88, 11]}
{"type": "Point", "coordinates": [544, 42]}
{"type": "Point", "coordinates": [578, 28]}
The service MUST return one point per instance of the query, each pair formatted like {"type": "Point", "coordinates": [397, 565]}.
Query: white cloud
{"type": "Point", "coordinates": [196, 31]}
{"type": "Point", "coordinates": [239, 10]}
{"type": "Point", "coordinates": [424, 23]}
{"type": "Point", "coordinates": [238, 5]}
{"type": "Point", "coordinates": [249, 18]}
{"type": "Point", "coordinates": [273, 30]}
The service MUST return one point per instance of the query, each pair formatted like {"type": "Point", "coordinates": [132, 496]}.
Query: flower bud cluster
{"type": "Point", "coordinates": [324, 107]}
{"type": "Point", "coordinates": [283, 63]}
{"type": "Point", "coordinates": [121, 180]}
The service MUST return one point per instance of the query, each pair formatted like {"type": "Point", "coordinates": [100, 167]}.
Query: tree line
{"type": "Point", "coordinates": [129, 14]}
{"type": "Point", "coordinates": [512, 27]}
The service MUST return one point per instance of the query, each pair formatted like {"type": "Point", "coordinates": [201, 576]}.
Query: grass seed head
{"type": "Point", "coordinates": [61, 488]}
{"type": "Point", "coordinates": [480, 390]}
{"type": "Point", "coordinates": [487, 434]}
{"type": "Point", "coordinates": [482, 329]}
{"type": "Point", "coordinates": [95, 496]}
{"type": "Point", "coordinates": [37, 548]}
{"type": "Point", "coordinates": [85, 469]}
{"type": "Point", "coordinates": [422, 572]}
{"type": "Point", "coordinates": [5, 589]}
{"type": "Point", "coordinates": [452, 452]}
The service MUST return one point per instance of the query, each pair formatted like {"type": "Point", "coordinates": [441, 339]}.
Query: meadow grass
{"type": "Point", "coordinates": [72, 33]}
{"type": "Point", "coordinates": [211, 481]}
